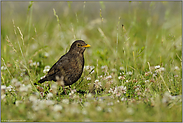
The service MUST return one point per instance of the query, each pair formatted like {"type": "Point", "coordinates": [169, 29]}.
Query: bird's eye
{"type": "Point", "coordinates": [79, 45]}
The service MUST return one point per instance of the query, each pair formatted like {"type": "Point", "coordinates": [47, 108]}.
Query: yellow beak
{"type": "Point", "coordinates": [86, 45]}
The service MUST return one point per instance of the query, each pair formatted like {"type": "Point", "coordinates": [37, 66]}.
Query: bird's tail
{"type": "Point", "coordinates": [41, 81]}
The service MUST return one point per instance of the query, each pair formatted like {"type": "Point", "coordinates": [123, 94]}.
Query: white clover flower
{"type": "Point", "coordinates": [166, 97]}
{"type": "Point", "coordinates": [162, 68]}
{"type": "Point", "coordinates": [3, 68]}
{"type": "Point", "coordinates": [23, 88]}
{"type": "Point", "coordinates": [46, 69]}
{"type": "Point", "coordinates": [9, 88]}
{"type": "Point", "coordinates": [98, 108]}
{"type": "Point", "coordinates": [49, 102]}
{"type": "Point", "coordinates": [97, 84]}
{"type": "Point", "coordinates": [3, 96]}
{"type": "Point", "coordinates": [122, 68]}
{"type": "Point", "coordinates": [123, 89]}
{"type": "Point", "coordinates": [49, 95]}
{"type": "Point", "coordinates": [33, 98]}
{"type": "Point", "coordinates": [3, 87]}
{"type": "Point", "coordinates": [123, 99]}
{"type": "Point", "coordinates": [88, 67]}
{"type": "Point", "coordinates": [18, 102]}
{"type": "Point", "coordinates": [121, 77]}
{"type": "Point", "coordinates": [57, 108]}
{"type": "Point", "coordinates": [74, 110]}
{"type": "Point", "coordinates": [104, 67]}
{"type": "Point", "coordinates": [31, 115]}
{"type": "Point", "coordinates": [46, 54]}
{"type": "Point", "coordinates": [109, 110]}
{"type": "Point", "coordinates": [54, 87]}
{"type": "Point", "coordinates": [29, 86]}
{"type": "Point", "coordinates": [157, 67]}
{"type": "Point", "coordinates": [176, 68]}
{"type": "Point", "coordinates": [72, 92]}
{"type": "Point", "coordinates": [87, 104]}
{"type": "Point", "coordinates": [130, 111]}
{"type": "Point", "coordinates": [146, 81]}
{"type": "Point", "coordinates": [88, 78]}
{"type": "Point", "coordinates": [129, 73]}
{"type": "Point", "coordinates": [34, 64]}
{"type": "Point", "coordinates": [110, 103]}
{"type": "Point", "coordinates": [114, 70]}
{"type": "Point", "coordinates": [108, 77]}
{"type": "Point", "coordinates": [65, 101]}
{"type": "Point", "coordinates": [89, 95]}
{"type": "Point", "coordinates": [13, 81]}
{"type": "Point", "coordinates": [84, 112]}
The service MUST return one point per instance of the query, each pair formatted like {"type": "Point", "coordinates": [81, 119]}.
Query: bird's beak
{"type": "Point", "coordinates": [86, 45]}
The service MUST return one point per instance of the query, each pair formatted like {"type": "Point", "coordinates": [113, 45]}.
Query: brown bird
{"type": "Point", "coordinates": [69, 67]}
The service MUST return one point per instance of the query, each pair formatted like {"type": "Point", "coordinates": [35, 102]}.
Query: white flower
{"type": "Point", "coordinates": [33, 98]}
{"type": "Point", "coordinates": [104, 67]}
{"type": "Point", "coordinates": [129, 73]}
{"type": "Point", "coordinates": [3, 67]}
{"type": "Point", "coordinates": [75, 110]}
{"type": "Point", "coordinates": [3, 87]}
{"type": "Point", "coordinates": [121, 77]}
{"type": "Point", "coordinates": [46, 69]}
{"type": "Point", "coordinates": [166, 97]}
{"type": "Point", "coordinates": [88, 78]}
{"type": "Point", "coordinates": [157, 67]}
{"type": "Point", "coordinates": [46, 54]}
{"type": "Point", "coordinates": [108, 77]}
{"type": "Point", "coordinates": [98, 108]}
{"type": "Point", "coordinates": [110, 103]}
{"type": "Point", "coordinates": [86, 104]}
{"type": "Point", "coordinates": [122, 68]}
{"type": "Point", "coordinates": [3, 96]}
{"type": "Point", "coordinates": [49, 102]}
{"type": "Point", "coordinates": [84, 112]}
{"type": "Point", "coordinates": [123, 99]}
{"type": "Point", "coordinates": [10, 88]}
{"type": "Point", "coordinates": [114, 70]}
{"type": "Point", "coordinates": [49, 95]}
{"type": "Point", "coordinates": [89, 95]}
{"type": "Point", "coordinates": [109, 110]}
{"type": "Point", "coordinates": [176, 68]}
{"type": "Point", "coordinates": [23, 88]}
{"type": "Point", "coordinates": [130, 111]}
{"type": "Point", "coordinates": [65, 101]}
{"type": "Point", "coordinates": [54, 87]}
{"type": "Point", "coordinates": [34, 64]}
{"type": "Point", "coordinates": [18, 102]}
{"type": "Point", "coordinates": [13, 81]}
{"type": "Point", "coordinates": [88, 67]}
{"type": "Point", "coordinates": [57, 108]}
{"type": "Point", "coordinates": [97, 84]}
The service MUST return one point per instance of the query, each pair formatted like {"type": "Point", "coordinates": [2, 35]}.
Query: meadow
{"type": "Point", "coordinates": [132, 73]}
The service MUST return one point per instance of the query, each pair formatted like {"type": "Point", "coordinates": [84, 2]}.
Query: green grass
{"type": "Point", "coordinates": [135, 70]}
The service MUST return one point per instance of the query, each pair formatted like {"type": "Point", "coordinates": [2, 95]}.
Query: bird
{"type": "Point", "coordinates": [69, 67]}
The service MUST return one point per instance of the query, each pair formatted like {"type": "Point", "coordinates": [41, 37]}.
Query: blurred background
{"type": "Point", "coordinates": [152, 26]}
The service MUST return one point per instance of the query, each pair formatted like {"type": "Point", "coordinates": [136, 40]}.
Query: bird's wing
{"type": "Point", "coordinates": [58, 66]}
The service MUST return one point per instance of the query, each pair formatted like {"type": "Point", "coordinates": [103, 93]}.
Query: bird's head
{"type": "Point", "coordinates": [78, 46]}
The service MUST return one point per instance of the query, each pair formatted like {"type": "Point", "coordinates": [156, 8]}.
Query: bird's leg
{"type": "Point", "coordinates": [64, 90]}
{"type": "Point", "coordinates": [70, 88]}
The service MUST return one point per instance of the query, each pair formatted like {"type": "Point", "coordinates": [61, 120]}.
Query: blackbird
{"type": "Point", "coordinates": [69, 67]}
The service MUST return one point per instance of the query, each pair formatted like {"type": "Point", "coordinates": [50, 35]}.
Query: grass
{"type": "Point", "coordinates": [132, 72]}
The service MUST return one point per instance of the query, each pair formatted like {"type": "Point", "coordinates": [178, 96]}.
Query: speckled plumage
{"type": "Point", "coordinates": [69, 66]}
